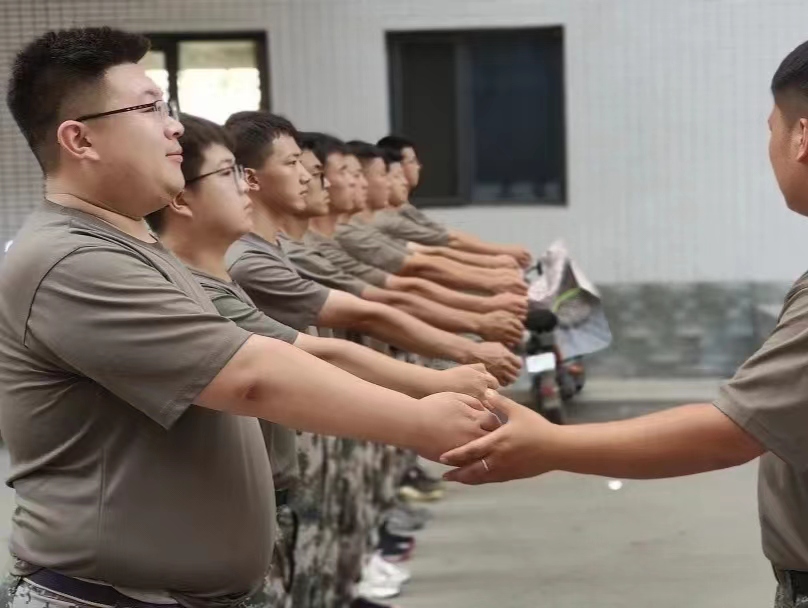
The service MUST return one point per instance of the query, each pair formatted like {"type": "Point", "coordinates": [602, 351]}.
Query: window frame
{"type": "Point", "coordinates": [169, 44]}
{"type": "Point", "coordinates": [461, 40]}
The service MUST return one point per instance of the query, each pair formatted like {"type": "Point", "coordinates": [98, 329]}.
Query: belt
{"type": "Point", "coordinates": [84, 591]}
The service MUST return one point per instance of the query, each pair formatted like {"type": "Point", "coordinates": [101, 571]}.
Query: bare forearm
{"type": "Point", "coordinates": [439, 293]}
{"type": "Point", "coordinates": [408, 333]}
{"type": "Point", "coordinates": [682, 441]}
{"type": "Point", "coordinates": [449, 273]}
{"type": "Point", "coordinates": [295, 389]}
{"type": "Point", "coordinates": [437, 315]}
{"type": "Point", "coordinates": [412, 380]}
{"type": "Point", "coordinates": [464, 257]}
{"type": "Point", "coordinates": [472, 244]}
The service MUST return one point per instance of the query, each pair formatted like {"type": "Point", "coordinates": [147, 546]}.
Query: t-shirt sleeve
{"type": "Point", "coordinates": [768, 397]}
{"type": "Point", "coordinates": [279, 292]}
{"type": "Point", "coordinates": [110, 316]}
{"type": "Point", "coordinates": [367, 273]}
{"type": "Point", "coordinates": [371, 250]}
{"type": "Point", "coordinates": [250, 318]}
{"type": "Point", "coordinates": [419, 217]}
{"type": "Point", "coordinates": [320, 270]}
{"type": "Point", "coordinates": [400, 227]}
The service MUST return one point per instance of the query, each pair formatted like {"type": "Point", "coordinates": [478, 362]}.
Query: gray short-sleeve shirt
{"type": "Point", "coordinates": [400, 227]}
{"type": "Point", "coordinates": [233, 303]}
{"type": "Point", "coordinates": [768, 398]}
{"type": "Point", "coordinates": [332, 250]}
{"type": "Point", "coordinates": [413, 213]}
{"type": "Point", "coordinates": [105, 341]}
{"type": "Point", "coordinates": [264, 271]}
{"type": "Point", "coordinates": [367, 244]}
{"type": "Point", "coordinates": [313, 265]}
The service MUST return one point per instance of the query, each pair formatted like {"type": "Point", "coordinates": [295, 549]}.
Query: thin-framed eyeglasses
{"type": "Point", "coordinates": [239, 176]}
{"type": "Point", "coordinates": [163, 108]}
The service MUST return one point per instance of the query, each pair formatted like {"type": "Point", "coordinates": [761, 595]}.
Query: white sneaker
{"type": "Point", "coordinates": [376, 583]}
{"type": "Point", "coordinates": [375, 590]}
{"type": "Point", "coordinates": [392, 572]}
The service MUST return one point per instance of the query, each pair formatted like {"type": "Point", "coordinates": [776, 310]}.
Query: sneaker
{"type": "Point", "coordinates": [420, 513]}
{"type": "Point", "coordinates": [395, 553]}
{"type": "Point", "coordinates": [395, 574]}
{"type": "Point", "coordinates": [399, 521]}
{"type": "Point", "coordinates": [361, 602]}
{"type": "Point", "coordinates": [366, 590]}
{"type": "Point", "coordinates": [419, 486]}
{"type": "Point", "coordinates": [376, 584]}
{"type": "Point", "coordinates": [388, 537]}
{"type": "Point", "coordinates": [424, 475]}
{"type": "Point", "coordinates": [414, 494]}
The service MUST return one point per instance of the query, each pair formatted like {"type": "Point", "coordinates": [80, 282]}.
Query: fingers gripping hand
{"type": "Point", "coordinates": [520, 448]}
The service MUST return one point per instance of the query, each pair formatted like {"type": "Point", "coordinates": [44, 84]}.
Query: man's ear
{"type": "Point", "coordinates": [75, 139]}
{"type": "Point", "coordinates": [180, 204]}
{"type": "Point", "coordinates": [252, 179]}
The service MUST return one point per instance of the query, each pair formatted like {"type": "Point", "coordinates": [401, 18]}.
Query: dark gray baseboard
{"type": "Point", "coordinates": [701, 330]}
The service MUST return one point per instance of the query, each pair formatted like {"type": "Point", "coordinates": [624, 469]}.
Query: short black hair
{"type": "Point", "coordinates": [54, 71]}
{"type": "Point", "coordinates": [322, 145]}
{"type": "Point", "coordinates": [398, 143]}
{"type": "Point", "coordinates": [364, 151]}
{"type": "Point", "coordinates": [200, 134]}
{"type": "Point", "coordinates": [254, 132]}
{"type": "Point", "coordinates": [391, 156]}
{"type": "Point", "coordinates": [791, 78]}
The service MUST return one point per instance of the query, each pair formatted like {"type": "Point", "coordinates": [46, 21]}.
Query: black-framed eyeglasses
{"type": "Point", "coordinates": [239, 176]}
{"type": "Point", "coordinates": [163, 108]}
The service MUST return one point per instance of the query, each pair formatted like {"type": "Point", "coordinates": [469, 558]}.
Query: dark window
{"type": "Point", "coordinates": [211, 75]}
{"type": "Point", "coordinates": [486, 109]}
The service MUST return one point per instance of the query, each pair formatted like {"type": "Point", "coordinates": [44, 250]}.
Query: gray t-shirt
{"type": "Point", "coordinates": [314, 266]}
{"type": "Point", "coordinates": [768, 398]}
{"type": "Point", "coordinates": [233, 303]}
{"type": "Point", "coordinates": [332, 250]}
{"type": "Point", "coordinates": [400, 227]}
{"type": "Point", "coordinates": [367, 244]}
{"type": "Point", "coordinates": [273, 283]}
{"type": "Point", "coordinates": [105, 342]}
{"type": "Point", "coordinates": [413, 213]}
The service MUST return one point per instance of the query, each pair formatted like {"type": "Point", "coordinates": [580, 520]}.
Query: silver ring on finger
{"type": "Point", "coordinates": [485, 464]}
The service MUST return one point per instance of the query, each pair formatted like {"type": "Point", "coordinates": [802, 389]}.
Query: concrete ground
{"type": "Point", "coordinates": [571, 541]}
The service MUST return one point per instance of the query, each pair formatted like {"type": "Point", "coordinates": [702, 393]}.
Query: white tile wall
{"type": "Point", "coordinates": [667, 106]}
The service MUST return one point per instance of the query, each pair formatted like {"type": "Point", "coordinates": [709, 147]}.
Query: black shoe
{"type": "Point", "coordinates": [390, 539]}
{"type": "Point", "coordinates": [361, 602]}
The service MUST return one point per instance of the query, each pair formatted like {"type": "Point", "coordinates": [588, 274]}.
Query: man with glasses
{"type": "Point", "coordinates": [128, 404]}
{"type": "Point", "coordinates": [198, 226]}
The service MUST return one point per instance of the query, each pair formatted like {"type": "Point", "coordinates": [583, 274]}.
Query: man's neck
{"type": "Point", "coordinates": [265, 223]}
{"type": "Point", "coordinates": [325, 225]}
{"type": "Point", "coordinates": [69, 196]}
{"type": "Point", "coordinates": [201, 252]}
{"type": "Point", "coordinates": [366, 216]}
{"type": "Point", "coordinates": [294, 227]}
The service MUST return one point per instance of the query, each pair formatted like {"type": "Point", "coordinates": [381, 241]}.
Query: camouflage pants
{"type": "Point", "coordinates": [308, 499]}
{"type": "Point", "coordinates": [787, 597]}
